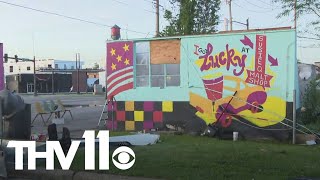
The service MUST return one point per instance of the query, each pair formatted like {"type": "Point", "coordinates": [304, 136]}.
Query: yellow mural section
{"type": "Point", "coordinates": [138, 115]}
{"type": "Point", "coordinates": [167, 106]}
{"type": "Point", "coordinates": [129, 106]}
{"type": "Point", "coordinates": [273, 113]}
{"type": "Point", "coordinates": [274, 108]}
{"type": "Point", "coordinates": [205, 105]}
{"type": "Point", "coordinates": [129, 126]}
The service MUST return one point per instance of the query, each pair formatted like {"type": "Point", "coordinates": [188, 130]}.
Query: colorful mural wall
{"type": "Point", "coordinates": [240, 81]}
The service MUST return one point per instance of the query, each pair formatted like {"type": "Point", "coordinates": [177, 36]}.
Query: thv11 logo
{"type": "Point", "coordinates": [122, 153]}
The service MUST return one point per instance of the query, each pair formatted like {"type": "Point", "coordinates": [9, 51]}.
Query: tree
{"type": "Point", "coordinates": [95, 66]}
{"type": "Point", "coordinates": [194, 17]}
{"type": "Point", "coordinates": [311, 104]}
{"type": "Point", "coordinates": [303, 7]}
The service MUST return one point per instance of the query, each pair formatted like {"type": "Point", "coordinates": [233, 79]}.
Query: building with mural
{"type": "Point", "coordinates": [239, 81]}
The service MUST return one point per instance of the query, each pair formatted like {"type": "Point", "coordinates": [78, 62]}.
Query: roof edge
{"type": "Point", "coordinates": [204, 35]}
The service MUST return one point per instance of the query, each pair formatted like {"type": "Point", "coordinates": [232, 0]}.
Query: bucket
{"type": "Point", "coordinates": [235, 136]}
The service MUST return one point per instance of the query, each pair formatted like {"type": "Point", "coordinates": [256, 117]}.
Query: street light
{"type": "Point", "coordinates": [34, 77]}
{"type": "Point", "coordinates": [16, 58]}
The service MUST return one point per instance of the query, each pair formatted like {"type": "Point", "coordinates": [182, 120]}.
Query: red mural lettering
{"type": "Point", "coordinates": [219, 60]}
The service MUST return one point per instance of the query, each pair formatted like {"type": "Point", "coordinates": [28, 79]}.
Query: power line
{"type": "Point", "coordinates": [261, 6]}
{"type": "Point", "coordinates": [129, 5]}
{"type": "Point", "coordinates": [311, 46]}
{"type": "Point", "coordinates": [64, 16]}
{"type": "Point", "coordinates": [303, 37]}
{"type": "Point", "coordinates": [277, 24]}
{"type": "Point", "coordinates": [268, 4]}
{"type": "Point", "coordinates": [152, 2]}
{"type": "Point", "coordinates": [254, 4]}
{"type": "Point", "coordinates": [260, 12]}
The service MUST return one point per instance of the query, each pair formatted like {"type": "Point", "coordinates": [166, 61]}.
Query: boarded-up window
{"type": "Point", "coordinates": [157, 63]}
{"type": "Point", "coordinates": [165, 52]}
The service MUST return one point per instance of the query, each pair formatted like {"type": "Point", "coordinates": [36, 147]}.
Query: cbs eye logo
{"type": "Point", "coordinates": [121, 158]}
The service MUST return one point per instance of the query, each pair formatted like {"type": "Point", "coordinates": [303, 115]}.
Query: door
{"type": "Point", "coordinates": [30, 88]}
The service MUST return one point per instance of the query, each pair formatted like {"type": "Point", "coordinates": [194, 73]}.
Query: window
{"type": "Point", "coordinates": [56, 66]}
{"type": "Point", "coordinates": [65, 66]}
{"type": "Point", "coordinates": [11, 68]}
{"type": "Point", "coordinates": [172, 74]}
{"type": "Point", "coordinates": [72, 67]}
{"type": "Point", "coordinates": [142, 64]}
{"type": "Point", "coordinates": [49, 66]}
{"type": "Point", "coordinates": [157, 75]}
{"type": "Point", "coordinates": [154, 75]}
{"type": "Point", "coordinates": [28, 68]}
{"type": "Point", "coordinates": [165, 75]}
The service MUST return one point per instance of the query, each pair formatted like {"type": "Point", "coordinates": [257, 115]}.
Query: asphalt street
{"type": "Point", "coordinates": [86, 110]}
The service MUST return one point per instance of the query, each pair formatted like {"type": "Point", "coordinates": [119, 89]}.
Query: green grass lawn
{"type": "Point", "coordinates": [188, 157]}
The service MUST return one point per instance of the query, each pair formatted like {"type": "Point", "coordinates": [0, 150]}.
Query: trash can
{"type": "Point", "coordinates": [17, 121]}
{"type": "Point", "coordinates": [19, 125]}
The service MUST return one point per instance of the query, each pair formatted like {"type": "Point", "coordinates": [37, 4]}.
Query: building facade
{"type": "Point", "coordinates": [18, 76]}
{"type": "Point", "coordinates": [46, 83]}
{"type": "Point", "coordinates": [240, 81]}
{"type": "Point", "coordinates": [12, 67]}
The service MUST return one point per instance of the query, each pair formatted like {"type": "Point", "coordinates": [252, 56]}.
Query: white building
{"type": "Point", "coordinates": [102, 75]}
{"type": "Point", "coordinates": [13, 67]}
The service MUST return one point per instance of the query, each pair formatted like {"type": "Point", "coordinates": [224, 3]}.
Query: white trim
{"type": "Point", "coordinates": [120, 77]}
{"type": "Point", "coordinates": [120, 84]}
{"type": "Point", "coordinates": [115, 73]}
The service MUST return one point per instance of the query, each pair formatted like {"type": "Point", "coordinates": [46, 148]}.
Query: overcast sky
{"type": "Point", "coordinates": [27, 33]}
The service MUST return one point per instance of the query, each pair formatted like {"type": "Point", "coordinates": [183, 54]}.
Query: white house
{"type": "Point", "coordinates": [102, 75]}
{"type": "Point", "coordinates": [13, 67]}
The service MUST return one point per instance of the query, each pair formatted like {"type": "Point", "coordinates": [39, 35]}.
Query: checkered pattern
{"type": "Point", "coordinates": [139, 115]}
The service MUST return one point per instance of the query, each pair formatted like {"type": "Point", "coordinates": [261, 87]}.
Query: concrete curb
{"type": "Point", "coordinates": [43, 174]}
{"type": "Point", "coordinates": [96, 176]}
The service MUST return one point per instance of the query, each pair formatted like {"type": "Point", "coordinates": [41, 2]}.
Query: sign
{"type": "Point", "coordinates": [259, 76]}
{"type": "Point", "coordinates": [120, 157]}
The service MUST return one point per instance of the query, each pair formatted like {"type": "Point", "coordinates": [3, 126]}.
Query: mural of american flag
{"type": "Point", "coordinates": [119, 67]}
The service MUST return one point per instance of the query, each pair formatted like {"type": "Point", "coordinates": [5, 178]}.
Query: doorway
{"type": "Point", "coordinates": [30, 88]}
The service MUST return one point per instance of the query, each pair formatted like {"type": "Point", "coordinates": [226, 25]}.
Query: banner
{"type": "Point", "coordinates": [259, 76]}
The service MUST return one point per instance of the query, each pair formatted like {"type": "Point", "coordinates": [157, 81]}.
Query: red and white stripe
{"type": "Point", "coordinates": [120, 81]}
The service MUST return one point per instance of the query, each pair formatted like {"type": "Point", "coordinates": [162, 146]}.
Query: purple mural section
{"type": "Point", "coordinates": [1, 68]}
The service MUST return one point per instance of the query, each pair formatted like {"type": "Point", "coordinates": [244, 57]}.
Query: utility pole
{"type": "Point", "coordinates": [76, 68]}
{"type": "Point", "coordinates": [78, 90]}
{"type": "Point", "coordinates": [294, 118]}
{"type": "Point", "coordinates": [157, 18]}
{"type": "Point", "coordinates": [230, 14]}
{"type": "Point", "coordinates": [52, 82]}
{"type": "Point", "coordinates": [34, 77]}
{"type": "Point", "coordinates": [248, 24]}
{"type": "Point", "coordinates": [295, 14]}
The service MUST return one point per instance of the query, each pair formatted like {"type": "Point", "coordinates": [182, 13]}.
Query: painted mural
{"type": "Point", "coordinates": [237, 77]}
{"type": "Point", "coordinates": [238, 82]}
{"type": "Point", "coordinates": [119, 67]}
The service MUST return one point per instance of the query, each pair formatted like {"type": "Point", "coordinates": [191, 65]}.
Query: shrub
{"type": "Point", "coordinates": [311, 104]}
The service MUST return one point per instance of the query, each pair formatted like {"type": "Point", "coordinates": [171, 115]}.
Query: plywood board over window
{"type": "Point", "coordinates": [165, 52]}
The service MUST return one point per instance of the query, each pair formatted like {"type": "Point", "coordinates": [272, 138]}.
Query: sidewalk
{"type": "Point", "coordinates": [42, 174]}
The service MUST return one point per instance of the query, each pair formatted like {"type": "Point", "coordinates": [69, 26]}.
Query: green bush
{"type": "Point", "coordinates": [311, 104]}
